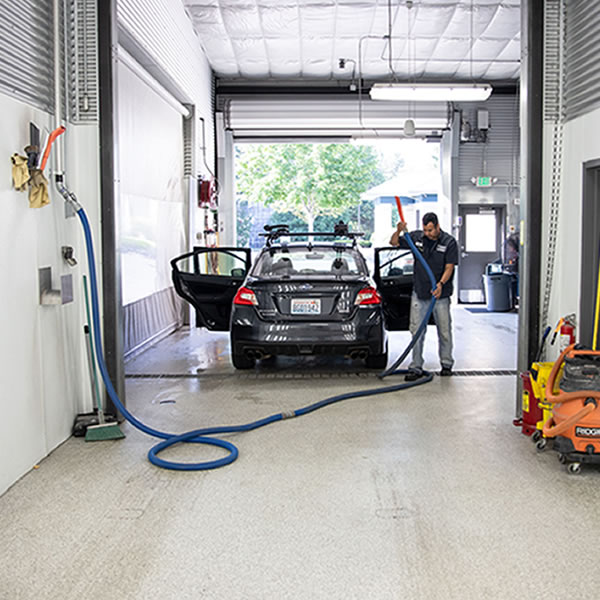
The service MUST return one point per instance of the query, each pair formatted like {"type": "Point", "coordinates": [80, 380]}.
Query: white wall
{"type": "Point", "coordinates": [581, 141]}
{"type": "Point", "coordinates": [43, 368]}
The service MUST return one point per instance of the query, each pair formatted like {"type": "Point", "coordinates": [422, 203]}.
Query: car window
{"type": "Point", "coordinates": [230, 263]}
{"type": "Point", "coordinates": [304, 261]}
{"type": "Point", "coordinates": [395, 262]}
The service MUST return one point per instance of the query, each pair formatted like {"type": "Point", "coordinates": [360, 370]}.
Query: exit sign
{"type": "Point", "coordinates": [484, 182]}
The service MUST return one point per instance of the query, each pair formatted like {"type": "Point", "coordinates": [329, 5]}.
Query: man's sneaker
{"type": "Point", "coordinates": [446, 371]}
{"type": "Point", "coordinates": [413, 375]}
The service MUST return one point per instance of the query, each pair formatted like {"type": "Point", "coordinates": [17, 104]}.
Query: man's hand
{"type": "Point", "coordinates": [438, 290]}
{"type": "Point", "coordinates": [400, 230]}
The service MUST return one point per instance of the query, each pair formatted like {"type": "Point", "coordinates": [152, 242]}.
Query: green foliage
{"type": "Point", "coordinates": [288, 218]}
{"type": "Point", "coordinates": [244, 223]}
{"type": "Point", "coordinates": [310, 180]}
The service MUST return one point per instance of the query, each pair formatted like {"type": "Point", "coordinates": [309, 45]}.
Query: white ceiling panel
{"type": "Point", "coordinates": [303, 39]}
{"type": "Point", "coordinates": [317, 48]}
{"type": "Point", "coordinates": [250, 49]}
{"type": "Point", "coordinates": [353, 21]}
{"type": "Point", "coordinates": [505, 22]}
{"type": "Point", "coordinates": [512, 51]}
{"type": "Point", "coordinates": [279, 49]}
{"type": "Point", "coordinates": [242, 22]}
{"type": "Point", "coordinates": [317, 20]}
{"type": "Point", "coordinates": [429, 21]}
{"type": "Point", "coordinates": [442, 70]}
{"type": "Point", "coordinates": [281, 22]}
{"type": "Point", "coordinates": [489, 49]}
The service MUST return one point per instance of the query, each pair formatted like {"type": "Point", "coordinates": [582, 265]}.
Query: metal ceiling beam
{"type": "Point", "coordinates": [227, 88]}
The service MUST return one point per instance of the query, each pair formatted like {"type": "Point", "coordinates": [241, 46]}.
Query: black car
{"type": "Point", "coordinates": [299, 297]}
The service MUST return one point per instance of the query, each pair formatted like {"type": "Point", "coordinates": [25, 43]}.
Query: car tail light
{"type": "Point", "coordinates": [367, 295]}
{"type": "Point", "coordinates": [245, 296]}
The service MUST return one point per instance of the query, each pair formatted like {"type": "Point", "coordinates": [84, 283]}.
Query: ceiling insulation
{"type": "Point", "coordinates": [431, 40]}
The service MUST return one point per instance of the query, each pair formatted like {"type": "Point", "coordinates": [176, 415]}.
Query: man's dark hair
{"type": "Point", "coordinates": [430, 218]}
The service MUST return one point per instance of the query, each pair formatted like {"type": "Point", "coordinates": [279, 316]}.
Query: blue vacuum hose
{"type": "Point", "coordinates": [198, 436]}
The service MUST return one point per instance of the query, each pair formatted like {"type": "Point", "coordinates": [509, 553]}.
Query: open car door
{"type": "Point", "coordinates": [208, 278]}
{"type": "Point", "coordinates": [394, 279]}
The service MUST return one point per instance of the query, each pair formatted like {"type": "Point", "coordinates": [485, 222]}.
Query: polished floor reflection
{"type": "Point", "coordinates": [481, 341]}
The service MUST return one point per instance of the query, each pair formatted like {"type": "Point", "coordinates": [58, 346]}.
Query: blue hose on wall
{"type": "Point", "coordinates": [198, 436]}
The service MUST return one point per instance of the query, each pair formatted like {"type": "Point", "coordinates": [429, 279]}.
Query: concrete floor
{"type": "Point", "coordinates": [422, 494]}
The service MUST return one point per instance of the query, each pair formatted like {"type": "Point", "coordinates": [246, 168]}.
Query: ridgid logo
{"type": "Point", "coordinates": [588, 432]}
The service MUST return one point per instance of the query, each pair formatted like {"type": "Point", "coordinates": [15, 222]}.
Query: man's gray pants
{"type": "Point", "coordinates": [443, 321]}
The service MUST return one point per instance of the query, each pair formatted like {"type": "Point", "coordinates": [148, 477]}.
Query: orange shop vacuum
{"type": "Point", "coordinates": [575, 423]}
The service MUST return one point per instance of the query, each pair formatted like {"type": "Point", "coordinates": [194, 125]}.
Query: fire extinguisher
{"type": "Point", "coordinates": [566, 329]}
{"type": "Point", "coordinates": [567, 334]}
{"type": "Point", "coordinates": [205, 193]}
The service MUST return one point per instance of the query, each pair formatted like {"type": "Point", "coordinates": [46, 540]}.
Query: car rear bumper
{"type": "Point", "coordinates": [361, 336]}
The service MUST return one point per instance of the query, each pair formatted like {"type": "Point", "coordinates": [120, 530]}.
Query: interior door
{"type": "Point", "coordinates": [480, 240]}
{"type": "Point", "coordinates": [208, 278]}
{"type": "Point", "coordinates": [394, 279]}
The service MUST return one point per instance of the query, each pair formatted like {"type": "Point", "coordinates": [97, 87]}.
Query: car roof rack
{"type": "Point", "coordinates": [274, 232]}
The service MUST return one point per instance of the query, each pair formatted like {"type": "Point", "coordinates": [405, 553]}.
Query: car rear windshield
{"type": "Point", "coordinates": [301, 262]}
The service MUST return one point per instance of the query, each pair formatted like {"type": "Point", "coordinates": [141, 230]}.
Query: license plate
{"type": "Point", "coordinates": [306, 306]}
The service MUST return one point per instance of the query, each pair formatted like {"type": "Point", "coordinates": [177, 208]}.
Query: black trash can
{"type": "Point", "coordinates": [498, 289]}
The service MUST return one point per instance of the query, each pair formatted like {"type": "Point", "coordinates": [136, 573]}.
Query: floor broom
{"type": "Point", "coordinates": [102, 431]}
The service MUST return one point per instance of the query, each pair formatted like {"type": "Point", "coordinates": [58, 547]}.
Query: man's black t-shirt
{"type": "Point", "coordinates": [438, 253]}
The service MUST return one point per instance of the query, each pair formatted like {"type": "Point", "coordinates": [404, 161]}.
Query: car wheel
{"type": "Point", "coordinates": [240, 361]}
{"type": "Point", "coordinates": [377, 361]}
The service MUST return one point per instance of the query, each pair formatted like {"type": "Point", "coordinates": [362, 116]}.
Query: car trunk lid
{"type": "Point", "coordinates": [309, 300]}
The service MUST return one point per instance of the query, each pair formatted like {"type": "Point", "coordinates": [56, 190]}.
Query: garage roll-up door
{"type": "Point", "coordinates": [307, 115]}
{"type": "Point", "coordinates": [582, 67]}
{"type": "Point", "coordinates": [151, 205]}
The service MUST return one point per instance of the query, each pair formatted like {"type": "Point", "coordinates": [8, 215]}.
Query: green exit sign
{"type": "Point", "coordinates": [484, 182]}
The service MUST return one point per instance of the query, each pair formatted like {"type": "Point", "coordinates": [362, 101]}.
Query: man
{"type": "Point", "coordinates": [441, 254]}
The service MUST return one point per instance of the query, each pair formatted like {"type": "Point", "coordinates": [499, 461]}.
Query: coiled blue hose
{"type": "Point", "coordinates": [198, 436]}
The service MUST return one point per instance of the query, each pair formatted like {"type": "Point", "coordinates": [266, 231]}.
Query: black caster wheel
{"type": "Point", "coordinates": [541, 444]}
{"type": "Point", "coordinates": [537, 436]}
{"type": "Point", "coordinates": [574, 468]}
{"type": "Point", "coordinates": [562, 459]}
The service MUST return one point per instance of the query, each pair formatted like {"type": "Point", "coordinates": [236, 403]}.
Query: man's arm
{"type": "Point", "coordinates": [396, 239]}
{"type": "Point", "coordinates": [448, 270]}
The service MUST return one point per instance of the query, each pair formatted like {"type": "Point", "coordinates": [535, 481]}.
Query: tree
{"type": "Point", "coordinates": [244, 222]}
{"type": "Point", "coordinates": [308, 180]}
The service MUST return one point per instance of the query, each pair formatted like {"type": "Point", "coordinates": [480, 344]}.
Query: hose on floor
{"type": "Point", "coordinates": [199, 436]}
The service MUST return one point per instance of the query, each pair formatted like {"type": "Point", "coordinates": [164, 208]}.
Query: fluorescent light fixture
{"type": "Point", "coordinates": [431, 92]}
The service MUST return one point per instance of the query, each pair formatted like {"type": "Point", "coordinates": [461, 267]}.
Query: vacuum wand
{"type": "Point", "coordinates": [399, 205]}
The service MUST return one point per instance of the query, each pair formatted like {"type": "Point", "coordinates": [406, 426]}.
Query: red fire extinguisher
{"type": "Point", "coordinates": [567, 332]}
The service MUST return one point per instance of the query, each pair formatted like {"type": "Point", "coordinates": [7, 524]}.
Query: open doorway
{"type": "Point", "coordinates": [313, 186]}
